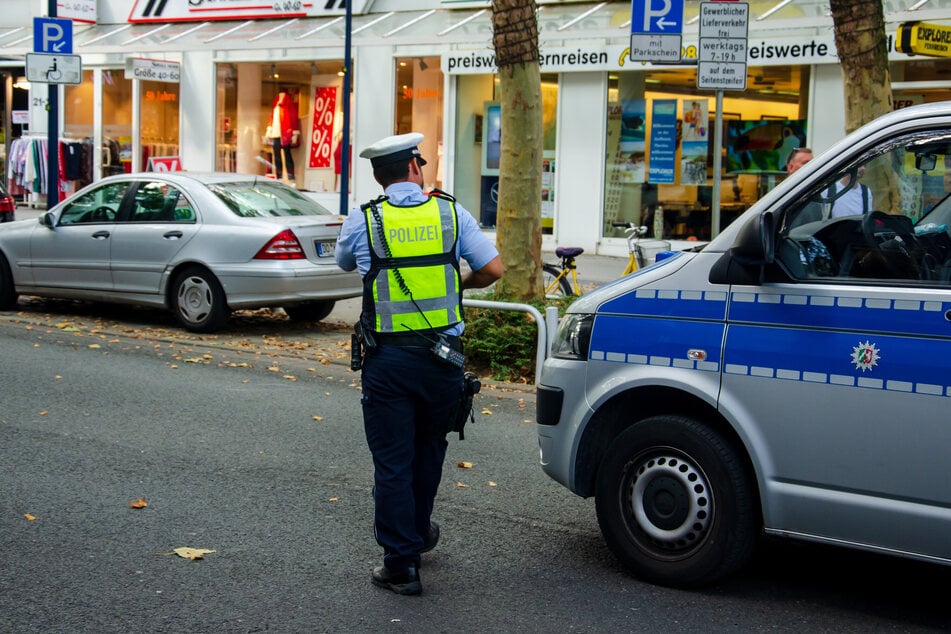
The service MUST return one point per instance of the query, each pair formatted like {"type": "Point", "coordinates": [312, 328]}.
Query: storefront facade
{"type": "Point", "coordinates": [202, 91]}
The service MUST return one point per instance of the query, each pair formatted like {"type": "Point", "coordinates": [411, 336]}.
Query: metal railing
{"type": "Point", "coordinates": [547, 325]}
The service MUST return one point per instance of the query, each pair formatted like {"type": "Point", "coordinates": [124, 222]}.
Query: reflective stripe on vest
{"type": "Point", "coordinates": [420, 243]}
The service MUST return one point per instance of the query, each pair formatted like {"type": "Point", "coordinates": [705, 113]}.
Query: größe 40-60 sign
{"type": "Point", "coordinates": [153, 70]}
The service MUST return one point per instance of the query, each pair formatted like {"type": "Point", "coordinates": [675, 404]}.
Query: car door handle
{"type": "Point", "coordinates": [101, 235]}
{"type": "Point", "coordinates": [173, 235]}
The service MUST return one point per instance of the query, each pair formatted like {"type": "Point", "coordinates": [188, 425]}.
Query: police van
{"type": "Point", "coordinates": [791, 378]}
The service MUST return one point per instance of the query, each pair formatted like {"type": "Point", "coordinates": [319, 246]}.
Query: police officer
{"type": "Point", "coordinates": [407, 246]}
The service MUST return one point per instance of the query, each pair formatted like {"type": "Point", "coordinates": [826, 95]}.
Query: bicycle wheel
{"type": "Point", "coordinates": [552, 274]}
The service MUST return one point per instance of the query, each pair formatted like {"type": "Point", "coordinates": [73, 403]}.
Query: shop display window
{"type": "Point", "coordinates": [660, 147]}
{"type": "Point", "coordinates": [478, 147]}
{"type": "Point", "coordinates": [281, 120]}
{"type": "Point", "coordinates": [419, 108]}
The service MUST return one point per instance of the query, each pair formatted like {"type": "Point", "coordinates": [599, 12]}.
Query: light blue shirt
{"type": "Point", "coordinates": [353, 250]}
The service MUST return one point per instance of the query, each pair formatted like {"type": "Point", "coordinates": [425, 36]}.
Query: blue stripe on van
{"type": "Point", "coordinates": [665, 342]}
{"type": "Point", "coordinates": [902, 364]}
{"type": "Point", "coordinates": [684, 304]}
{"type": "Point", "coordinates": [875, 314]}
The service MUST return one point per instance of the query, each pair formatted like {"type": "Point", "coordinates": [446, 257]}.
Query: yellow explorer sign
{"type": "Point", "coordinates": [921, 38]}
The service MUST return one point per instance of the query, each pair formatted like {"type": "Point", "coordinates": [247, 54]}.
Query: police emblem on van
{"type": "Point", "coordinates": [865, 356]}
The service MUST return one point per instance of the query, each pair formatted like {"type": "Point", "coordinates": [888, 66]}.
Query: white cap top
{"type": "Point", "coordinates": [394, 148]}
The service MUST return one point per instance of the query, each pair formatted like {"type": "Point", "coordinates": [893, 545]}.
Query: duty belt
{"type": "Point", "coordinates": [416, 339]}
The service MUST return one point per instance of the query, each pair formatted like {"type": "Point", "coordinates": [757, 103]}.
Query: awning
{"type": "Point", "coordinates": [468, 27]}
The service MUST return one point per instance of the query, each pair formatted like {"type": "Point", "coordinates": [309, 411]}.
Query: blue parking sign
{"type": "Point", "coordinates": [658, 17]}
{"type": "Point", "coordinates": [52, 35]}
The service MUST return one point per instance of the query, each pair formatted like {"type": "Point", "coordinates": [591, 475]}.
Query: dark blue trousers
{"type": "Point", "coordinates": [408, 398]}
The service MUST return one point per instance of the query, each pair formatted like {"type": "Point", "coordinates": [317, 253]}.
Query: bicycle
{"type": "Point", "coordinates": [563, 279]}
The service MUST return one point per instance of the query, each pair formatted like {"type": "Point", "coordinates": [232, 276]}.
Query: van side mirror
{"type": "Point", "coordinates": [753, 249]}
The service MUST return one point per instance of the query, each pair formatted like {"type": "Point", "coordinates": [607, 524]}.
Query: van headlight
{"type": "Point", "coordinates": [574, 337]}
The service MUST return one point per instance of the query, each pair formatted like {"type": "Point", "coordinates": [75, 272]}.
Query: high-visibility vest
{"type": "Point", "coordinates": [413, 283]}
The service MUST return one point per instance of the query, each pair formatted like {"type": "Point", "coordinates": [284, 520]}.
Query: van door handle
{"type": "Point", "coordinates": [101, 235]}
{"type": "Point", "coordinates": [173, 235]}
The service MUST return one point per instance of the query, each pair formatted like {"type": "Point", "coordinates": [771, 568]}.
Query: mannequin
{"type": "Point", "coordinates": [284, 131]}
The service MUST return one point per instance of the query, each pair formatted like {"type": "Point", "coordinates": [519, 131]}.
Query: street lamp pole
{"type": "Point", "coordinates": [345, 148]}
{"type": "Point", "coordinates": [52, 145]}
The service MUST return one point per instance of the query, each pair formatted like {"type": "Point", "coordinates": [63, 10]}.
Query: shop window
{"type": "Point", "coordinates": [159, 120]}
{"type": "Point", "coordinates": [660, 148]}
{"type": "Point", "coordinates": [116, 122]}
{"type": "Point", "coordinates": [282, 120]}
{"type": "Point", "coordinates": [477, 146]}
{"type": "Point", "coordinates": [419, 108]}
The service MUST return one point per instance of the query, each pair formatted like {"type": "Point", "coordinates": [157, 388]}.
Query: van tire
{"type": "Point", "coordinates": [675, 502]}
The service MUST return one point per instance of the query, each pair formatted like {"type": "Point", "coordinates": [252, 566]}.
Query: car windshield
{"type": "Point", "coordinates": [251, 199]}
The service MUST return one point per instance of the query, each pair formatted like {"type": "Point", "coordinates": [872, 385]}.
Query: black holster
{"type": "Point", "coordinates": [470, 387]}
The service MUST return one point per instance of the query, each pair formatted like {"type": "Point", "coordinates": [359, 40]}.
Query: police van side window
{"type": "Point", "coordinates": [881, 220]}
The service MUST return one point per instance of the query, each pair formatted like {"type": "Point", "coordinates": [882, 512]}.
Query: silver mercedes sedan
{"type": "Point", "coordinates": [200, 245]}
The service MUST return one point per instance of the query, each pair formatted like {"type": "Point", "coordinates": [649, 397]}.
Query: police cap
{"type": "Point", "coordinates": [394, 148]}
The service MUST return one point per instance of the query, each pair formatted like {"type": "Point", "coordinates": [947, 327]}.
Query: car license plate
{"type": "Point", "coordinates": [325, 248]}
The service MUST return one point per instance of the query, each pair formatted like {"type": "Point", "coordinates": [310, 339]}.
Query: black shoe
{"type": "Point", "coordinates": [431, 539]}
{"type": "Point", "coordinates": [405, 583]}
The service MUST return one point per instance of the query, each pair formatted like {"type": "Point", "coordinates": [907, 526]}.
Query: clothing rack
{"type": "Point", "coordinates": [27, 166]}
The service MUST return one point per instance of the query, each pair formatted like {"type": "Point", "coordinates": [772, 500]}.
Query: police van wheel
{"type": "Point", "coordinates": [549, 273]}
{"type": "Point", "coordinates": [675, 502]}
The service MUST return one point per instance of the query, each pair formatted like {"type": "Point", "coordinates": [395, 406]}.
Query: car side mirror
{"type": "Point", "coordinates": [48, 219]}
{"type": "Point", "coordinates": [753, 249]}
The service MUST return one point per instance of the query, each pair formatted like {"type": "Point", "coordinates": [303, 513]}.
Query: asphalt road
{"type": "Point", "coordinates": [250, 444]}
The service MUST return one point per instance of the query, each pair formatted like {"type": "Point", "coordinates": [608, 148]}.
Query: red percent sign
{"type": "Point", "coordinates": [321, 137]}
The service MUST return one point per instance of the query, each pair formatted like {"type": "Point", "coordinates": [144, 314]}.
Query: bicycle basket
{"type": "Point", "coordinates": [647, 251]}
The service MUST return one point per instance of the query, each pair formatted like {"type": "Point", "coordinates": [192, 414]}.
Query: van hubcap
{"type": "Point", "coordinates": [671, 501]}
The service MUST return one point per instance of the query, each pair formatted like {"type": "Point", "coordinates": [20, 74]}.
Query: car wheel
{"type": "Point", "coordinates": [8, 294]}
{"type": "Point", "coordinates": [310, 311]}
{"type": "Point", "coordinates": [199, 301]}
{"type": "Point", "coordinates": [675, 503]}
{"type": "Point", "coordinates": [549, 273]}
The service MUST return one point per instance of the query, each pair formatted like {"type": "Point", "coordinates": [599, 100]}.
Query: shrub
{"type": "Point", "coordinates": [502, 344]}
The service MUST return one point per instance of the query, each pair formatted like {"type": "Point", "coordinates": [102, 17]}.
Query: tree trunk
{"type": "Point", "coordinates": [863, 53]}
{"type": "Point", "coordinates": [518, 221]}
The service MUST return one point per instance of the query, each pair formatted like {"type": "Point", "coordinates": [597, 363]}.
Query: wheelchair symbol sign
{"type": "Point", "coordinates": [54, 69]}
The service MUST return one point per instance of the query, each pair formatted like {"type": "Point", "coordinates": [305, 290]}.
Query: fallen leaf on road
{"type": "Point", "coordinates": [461, 485]}
{"type": "Point", "coordinates": [190, 553]}
{"type": "Point", "coordinates": [492, 484]}
{"type": "Point", "coordinates": [29, 516]}
{"type": "Point", "coordinates": [464, 465]}
{"type": "Point", "coordinates": [334, 500]}
{"type": "Point", "coordinates": [44, 413]}
{"type": "Point", "coordinates": [318, 418]}
{"type": "Point", "coordinates": [289, 377]}
{"type": "Point", "coordinates": [95, 346]}
{"type": "Point", "coordinates": [138, 504]}
{"type": "Point", "coordinates": [486, 411]}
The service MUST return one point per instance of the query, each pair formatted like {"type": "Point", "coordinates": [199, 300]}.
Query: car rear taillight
{"type": "Point", "coordinates": [7, 203]}
{"type": "Point", "coordinates": [283, 246]}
